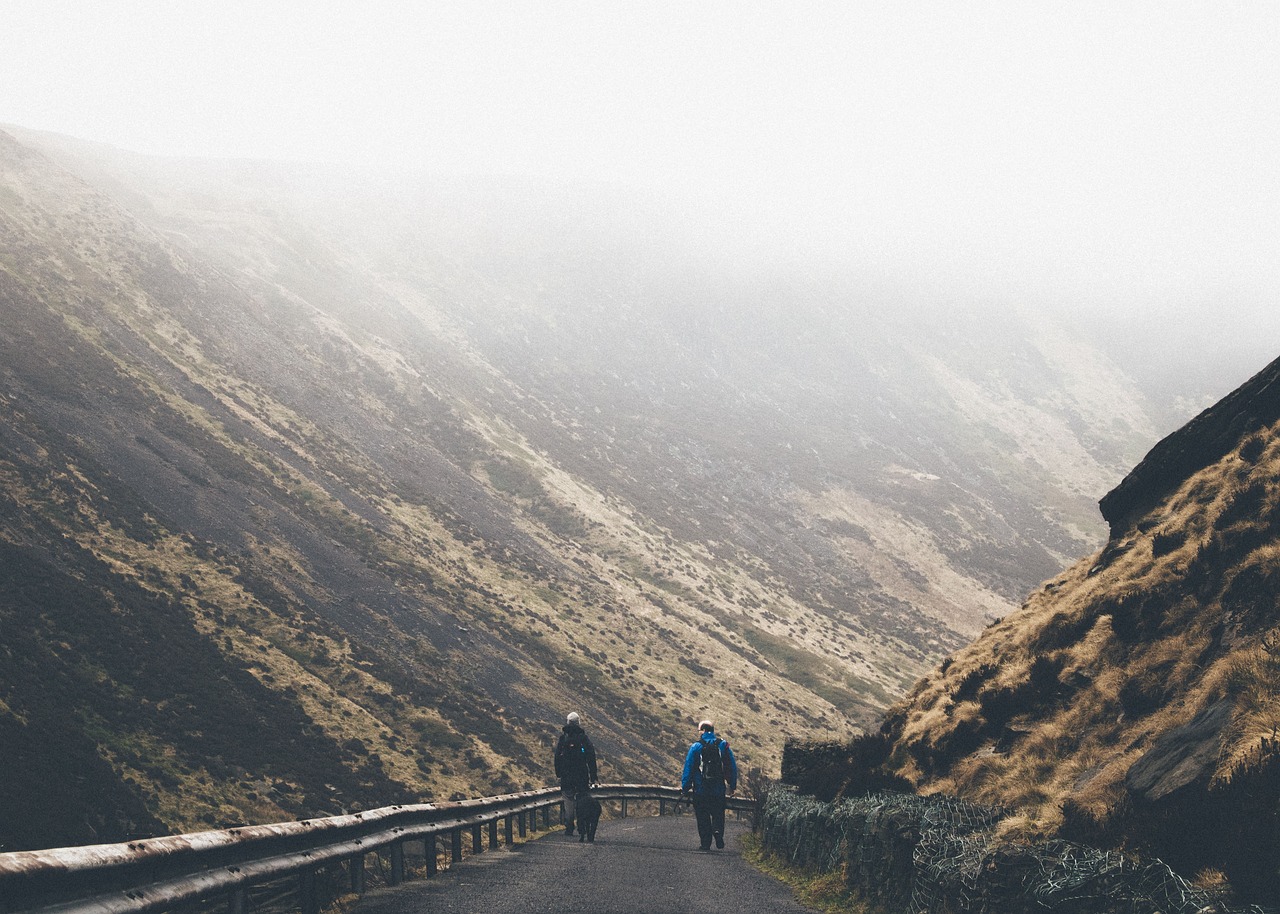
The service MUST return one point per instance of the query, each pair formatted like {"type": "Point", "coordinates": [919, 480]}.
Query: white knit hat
{"type": "Point", "coordinates": [573, 717]}
{"type": "Point", "coordinates": [707, 725]}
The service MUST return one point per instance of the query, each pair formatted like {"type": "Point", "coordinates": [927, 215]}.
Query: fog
{"type": "Point", "coordinates": [1105, 160]}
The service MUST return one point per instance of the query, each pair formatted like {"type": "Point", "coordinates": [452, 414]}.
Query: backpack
{"type": "Point", "coordinates": [573, 752]}
{"type": "Point", "coordinates": [712, 763]}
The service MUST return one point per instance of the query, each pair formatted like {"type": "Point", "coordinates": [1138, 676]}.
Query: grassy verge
{"type": "Point", "coordinates": [826, 892]}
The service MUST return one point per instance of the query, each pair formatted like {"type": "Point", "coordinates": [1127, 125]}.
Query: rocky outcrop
{"type": "Point", "coordinates": [1181, 757]}
{"type": "Point", "coordinates": [1205, 439]}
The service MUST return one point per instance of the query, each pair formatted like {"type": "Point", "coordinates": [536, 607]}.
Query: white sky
{"type": "Point", "coordinates": [1115, 152]}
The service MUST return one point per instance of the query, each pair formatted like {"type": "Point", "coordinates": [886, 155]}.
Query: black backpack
{"type": "Point", "coordinates": [712, 762]}
{"type": "Point", "coordinates": [574, 752]}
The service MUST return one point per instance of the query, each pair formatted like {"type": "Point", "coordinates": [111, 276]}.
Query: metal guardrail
{"type": "Point", "coordinates": [156, 874]}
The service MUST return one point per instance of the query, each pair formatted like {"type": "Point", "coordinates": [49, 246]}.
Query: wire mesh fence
{"type": "Point", "coordinates": [940, 855]}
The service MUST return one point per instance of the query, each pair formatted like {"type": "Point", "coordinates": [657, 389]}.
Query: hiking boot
{"type": "Point", "coordinates": [720, 841]}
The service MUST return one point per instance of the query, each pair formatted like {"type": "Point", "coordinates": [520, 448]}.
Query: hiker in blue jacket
{"type": "Point", "coordinates": [710, 775]}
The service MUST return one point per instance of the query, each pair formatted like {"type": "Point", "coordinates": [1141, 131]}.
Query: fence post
{"type": "Point", "coordinates": [308, 894]}
{"type": "Point", "coordinates": [476, 840]}
{"type": "Point", "coordinates": [493, 835]}
{"type": "Point", "coordinates": [356, 864]}
{"type": "Point", "coordinates": [533, 820]}
{"type": "Point", "coordinates": [397, 862]}
{"type": "Point", "coordinates": [662, 806]}
{"type": "Point", "coordinates": [429, 848]}
{"type": "Point", "coordinates": [455, 845]}
{"type": "Point", "coordinates": [624, 807]}
{"type": "Point", "coordinates": [523, 821]}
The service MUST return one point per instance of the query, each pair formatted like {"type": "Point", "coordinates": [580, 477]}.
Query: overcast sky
{"type": "Point", "coordinates": [1115, 152]}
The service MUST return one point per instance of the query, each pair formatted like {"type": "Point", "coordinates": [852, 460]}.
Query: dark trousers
{"type": "Point", "coordinates": [709, 811]}
{"type": "Point", "coordinates": [569, 797]}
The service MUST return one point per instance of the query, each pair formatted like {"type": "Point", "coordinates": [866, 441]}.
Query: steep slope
{"type": "Point", "coordinates": [380, 482]}
{"type": "Point", "coordinates": [198, 460]}
{"type": "Point", "coordinates": [1136, 697]}
{"type": "Point", "coordinates": [734, 407]}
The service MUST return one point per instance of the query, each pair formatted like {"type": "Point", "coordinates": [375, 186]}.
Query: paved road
{"type": "Point", "coordinates": [643, 865]}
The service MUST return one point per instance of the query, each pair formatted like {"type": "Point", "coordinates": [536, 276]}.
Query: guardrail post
{"type": "Point", "coordinates": [546, 816]}
{"type": "Point", "coordinates": [477, 841]}
{"type": "Point", "coordinates": [506, 830]}
{"type": "Point", "coordinates": [238, 901]}
{"type": "Point", "coordinates": [397, 862]}
{"type": "Point", "coordinates": [493, 835]}
{"type": "Point", "coordinates": [624, 807]}
{"type": "Point", "coordinates": [533, 820]}
{"type": "Point", "coordinates": [308, 894]}
{"type": "Point", "coordinates": [455, 846]}
{"type": "Point", "coordinates": [524, 824]}
{"type": "Point", "coordinates": [662, 806]}
{"type": "Point", "coordinates": [356, 864]}
{"type": "Point", "coordinates": [429, 848]}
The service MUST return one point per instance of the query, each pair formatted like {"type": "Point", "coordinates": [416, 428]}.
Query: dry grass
{"type": "Point", "coordinates": [1148, 633]}
{"type": "Point", "coordinates": [827, 892]}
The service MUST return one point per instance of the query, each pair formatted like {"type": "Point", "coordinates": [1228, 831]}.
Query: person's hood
{"type": "Point", "coordinates": [572, 728]}
{"type": "Point", "coordinates": [708, 737]}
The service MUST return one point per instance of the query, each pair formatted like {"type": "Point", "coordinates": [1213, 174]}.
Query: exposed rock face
{"type": "Point", "coordinates": [1182, 756]}
{"type": "Point", "coordinates": [1202, 441]}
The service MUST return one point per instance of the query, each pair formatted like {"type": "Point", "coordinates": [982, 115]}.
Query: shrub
{"type": "Point", "coordinates": [967, 688]}
{"type": "Point", "coordinates": [1252, 448]}
{"type": "Point", "coordinates": [1062, 631]}
{"type": "Point", "coordinates": [1164, 543]}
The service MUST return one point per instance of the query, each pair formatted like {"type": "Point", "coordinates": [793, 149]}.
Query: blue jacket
{"type": "Point", "coordinates": [691, 779]}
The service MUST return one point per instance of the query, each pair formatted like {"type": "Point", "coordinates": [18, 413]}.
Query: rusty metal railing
{"type": "Point", "coordinates": [160, 874]}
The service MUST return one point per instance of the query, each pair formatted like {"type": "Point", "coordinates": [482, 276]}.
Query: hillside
{"type": "Point", "coordinates": [1133, 699]}
{"type": "Point", "coordinates": [321, 494]}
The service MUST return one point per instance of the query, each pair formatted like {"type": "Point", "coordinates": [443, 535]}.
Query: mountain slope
{"type": "Point", "coordinates": [1134, 698]}
{"type": "Point", "coordinates": [172, 431]}
{"type": "Point", "coordinates": [352, 465]}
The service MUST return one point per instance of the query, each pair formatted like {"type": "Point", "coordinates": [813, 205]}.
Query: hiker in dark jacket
{"type": "Point", "coordinates": [575, 767]}
{"type": "Point", "coordinates": [710, 775]}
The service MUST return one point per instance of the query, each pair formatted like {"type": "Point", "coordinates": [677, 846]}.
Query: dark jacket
{"type": "Point", "coordinates": [575, 769]}
{"type": "Point", "coordinates": [691, 779]}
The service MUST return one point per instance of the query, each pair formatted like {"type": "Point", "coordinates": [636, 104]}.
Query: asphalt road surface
{"type": "Point", "coordinates": [641, 865]}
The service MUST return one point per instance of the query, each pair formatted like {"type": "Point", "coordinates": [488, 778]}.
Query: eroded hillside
{"type": "Point", "coordinates": [410, 592]}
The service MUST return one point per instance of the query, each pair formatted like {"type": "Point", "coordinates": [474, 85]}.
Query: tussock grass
{"type": "Point", "coordinates": [1179, 613]}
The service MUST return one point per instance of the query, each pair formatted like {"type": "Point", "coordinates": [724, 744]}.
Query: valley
{"type": "Point", "coordinates": [381, 479]}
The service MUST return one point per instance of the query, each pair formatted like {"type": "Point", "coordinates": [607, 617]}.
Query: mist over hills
{"type": "Point", "coordinates": [323, 493]}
